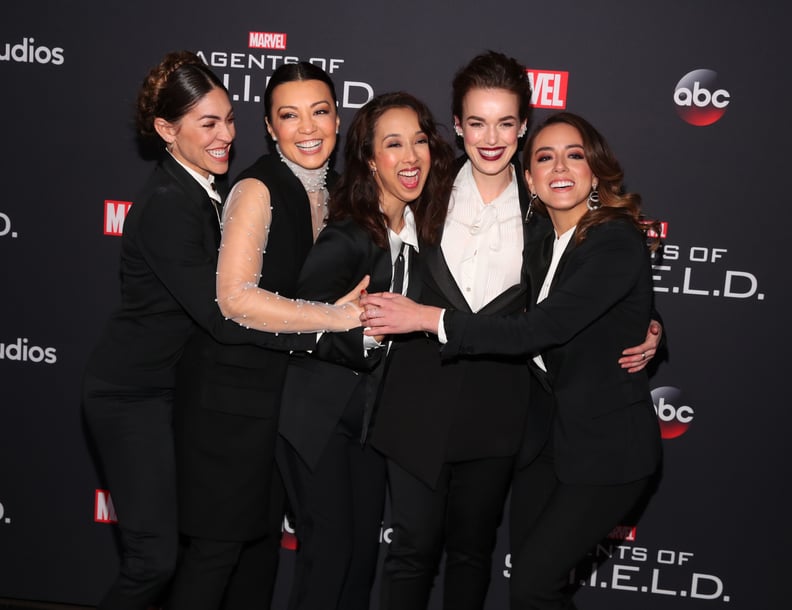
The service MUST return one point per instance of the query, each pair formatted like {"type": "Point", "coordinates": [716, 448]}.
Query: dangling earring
{"type": "Point", "coordinates": [522, 131]}
{"type": "Point", "coordinates": [530, 211]}
{"type": "Point", "coordinates": [593, 201]}
{"type": "Point", "coordinates": [458, 130]}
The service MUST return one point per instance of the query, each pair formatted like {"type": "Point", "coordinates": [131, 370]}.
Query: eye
{"type": "Point", "coordinates": [322, 111]}
{"type": "Point", "coordinates": [286, 115]}
{"type": "Point", "coordinates": [475, 124]}
{"type": "Point", "coordinates": [507, 124]}
{"type": "Point", "coordinates": [422, 140]}
{"type": "Point", "coordinates": [393, 144]}
{"type": "Point", "coordinates": [542, 158]}
{"type": "Point", "coordinates": [209, 125]}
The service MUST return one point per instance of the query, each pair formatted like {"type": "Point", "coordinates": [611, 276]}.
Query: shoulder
{"type": "Point", "coordinates": [345, 230]}
{"type": "Point", "coordinates": [617, 229]}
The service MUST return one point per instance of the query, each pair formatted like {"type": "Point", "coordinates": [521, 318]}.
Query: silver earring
{"type": "Point", "coordinates": [458, 130]}
{"type": "Point", "coordinates": [522, 131]}
{"type": "Point", "coordinates": [530, 211]}
{"type": "Point", "coordinates": [593, 201]}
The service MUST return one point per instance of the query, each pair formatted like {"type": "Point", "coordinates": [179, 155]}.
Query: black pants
{"type": "Point", "coordinates": [131, 428]}
{"type": "Point", "coordinates": [338, 515]}
{"type": "Point", "coordinates": [553, 525]}
{"type": "Point", "coordinates": [460, 516]}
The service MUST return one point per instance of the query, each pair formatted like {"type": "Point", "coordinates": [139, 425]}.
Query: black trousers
{"type": "Point", "coordinates": [553, 525]}
{"type": "Point", "coordinates": [131, 429]}
{"type": "Point", "coordinates": [460, 516]}
{"type": "Point", "coordinates": [338, 515]}
{"type": "Point", "coordinates": [227, 575]}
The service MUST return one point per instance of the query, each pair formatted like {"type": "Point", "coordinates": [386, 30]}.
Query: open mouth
{"type": "Point", "coordinates": [561, 184]}
{"type": "Point", "coordinates": [410, 178]}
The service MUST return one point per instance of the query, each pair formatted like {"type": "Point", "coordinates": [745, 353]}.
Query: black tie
{"type": "Point", "coordinates": [398, 272]}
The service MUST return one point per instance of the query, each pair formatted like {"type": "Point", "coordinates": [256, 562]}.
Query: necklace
{"type": "Point", "coordinates": [312, 179]}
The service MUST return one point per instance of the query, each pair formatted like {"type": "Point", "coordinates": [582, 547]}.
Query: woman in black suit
{"type": "Point", "coordinates": [592, 286]}
{"type": "Point", "coordinates": [396, 172]}
{"type": "Point", "coordinates": [168, 266]}
{"type": "Point", "coordinates": [228, 396]}
{"type": "Point", "coordinates": [450, 447]}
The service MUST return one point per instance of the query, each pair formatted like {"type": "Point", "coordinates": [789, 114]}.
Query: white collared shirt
{"type": "Point", "coordinates": [206, 183]}
{"type": "Point", "coordinates": [483, 242]}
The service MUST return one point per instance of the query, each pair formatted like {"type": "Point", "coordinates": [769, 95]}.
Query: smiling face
{"type": "Point", "coordinates": [401, 158]}
{"type": "Point", "coordinates": [560, 174]}
{"type": "Point", "coordinates": [490, 125]}
{"type": "Point", "coordinates": [201, 139]}
{"type": "Point", "coordinates": [304, 122]}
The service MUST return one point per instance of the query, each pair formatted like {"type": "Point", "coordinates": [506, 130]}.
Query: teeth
{"type": "Point", "coordinates": [561, 184]}
{"type": "Point", "coordinates": [309, 144]}
{"type": "Point", "coordinates": [218, 153]}
{"type": "Point", "coordinates": [409, 173]}
{"type": "Point", "coordinates": [490, 153]}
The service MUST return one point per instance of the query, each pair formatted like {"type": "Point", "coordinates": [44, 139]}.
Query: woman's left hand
{"type": "Point", "coordinates": [635, 358]}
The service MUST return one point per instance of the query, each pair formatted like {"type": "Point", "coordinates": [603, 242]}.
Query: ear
{"type": "Point", "coordinates": [373, 167]}
{"type": "Point", "coordinates": [594, 183]}
{"type": "Point", "coordinates": [269, 129]}
{"type": "Point", "coordinates": [457, 126]}
{"type": "Point", "coordinates": [166, 130]}
{"type": "Point", "coordinates": [529, 181]}
{"type": "Point", "coordinates": [338, 123]}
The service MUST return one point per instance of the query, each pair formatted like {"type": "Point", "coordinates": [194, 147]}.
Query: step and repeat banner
{"type": "Point", "coordinates": [691, 95]}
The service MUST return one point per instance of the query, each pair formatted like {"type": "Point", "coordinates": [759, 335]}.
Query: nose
{"type": "Point", "coordinates": [410, 154]}
{"type": "Point", "coordinates": [307, 124]}
{"type": "Point", "coordinates": [229, 133]}
{"type": "Point", "coordinates": [559, 165]}
{"type": "Point", "coordinates": [491, 135]}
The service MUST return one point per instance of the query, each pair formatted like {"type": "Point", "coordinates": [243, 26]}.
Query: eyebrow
{"type": "Point", "coordinates": [312, 105]}
{"type": "Point", "coordinates": [567, 147]}
{"type": "Point", "coordinates": [398, 135]}
{"type": "Point", "coordinates": [479, 118]}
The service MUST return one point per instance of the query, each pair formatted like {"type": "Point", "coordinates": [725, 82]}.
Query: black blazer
{"type": "Point", "coordinates": [319, 386]}
{"type": "Point", "coordinates": [240, 383]}
{"type": "Point", "coordinates": [605, 429]}
{"type": "Point", "coordinates": [434, 411]}
{"type": "Point", "coordinates": [168, 266]}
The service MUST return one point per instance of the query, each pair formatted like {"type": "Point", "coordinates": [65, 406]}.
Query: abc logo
{"type": "Point", "coordinates": [698, 98]}
{"type": "Point", "coordinates": [673, 416]}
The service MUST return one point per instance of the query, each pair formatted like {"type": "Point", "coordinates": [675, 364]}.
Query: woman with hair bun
{"type": "Point", "coordinates": [167, 269]}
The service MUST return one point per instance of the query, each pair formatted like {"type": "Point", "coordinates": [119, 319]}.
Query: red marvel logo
{"type": "Point", "coordinates": [104, 511]}
{"type": "Point", "coordinates": [623, 532]}
{"type": "Point", "coordinates": [115, 213]}
{"type": "Point", "coordinates": [549, 89]}
{"type": "Point", "coordinates": [663, 231]}
{"type": "Point", "coordinates": [267, 40]}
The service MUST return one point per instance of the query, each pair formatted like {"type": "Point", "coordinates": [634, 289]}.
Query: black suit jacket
{"type": "Point", "coordinates": [433, 411]}
{"type": "Point", "coordinates": [604, 426]}
{"type": "Point", "coordinates": [319, 386]}
{"type": "Point", "coordinates": [168, 266]}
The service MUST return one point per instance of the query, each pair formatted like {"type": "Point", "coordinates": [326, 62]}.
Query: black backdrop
{"type": "Point", "coordinates": [717, 531]}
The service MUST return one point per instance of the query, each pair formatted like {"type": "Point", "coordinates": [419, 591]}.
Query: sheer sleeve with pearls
{"type": "Point", "coordinates": [247, 215]}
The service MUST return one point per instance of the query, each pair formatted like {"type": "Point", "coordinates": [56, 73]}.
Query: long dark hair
{"type": "Point", "coordinates": [356, 194]}
{"type": "Point", "coordinates": [614, 202]}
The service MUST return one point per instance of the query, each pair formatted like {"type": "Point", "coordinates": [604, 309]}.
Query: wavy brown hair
{"type": "Point", "coordinates": [356, 194]}
{"type": "Point", "coordinates": [614, 202]}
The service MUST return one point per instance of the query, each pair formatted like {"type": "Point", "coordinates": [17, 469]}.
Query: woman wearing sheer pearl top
{"type": "Point", "coordinates": [230, 494]}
